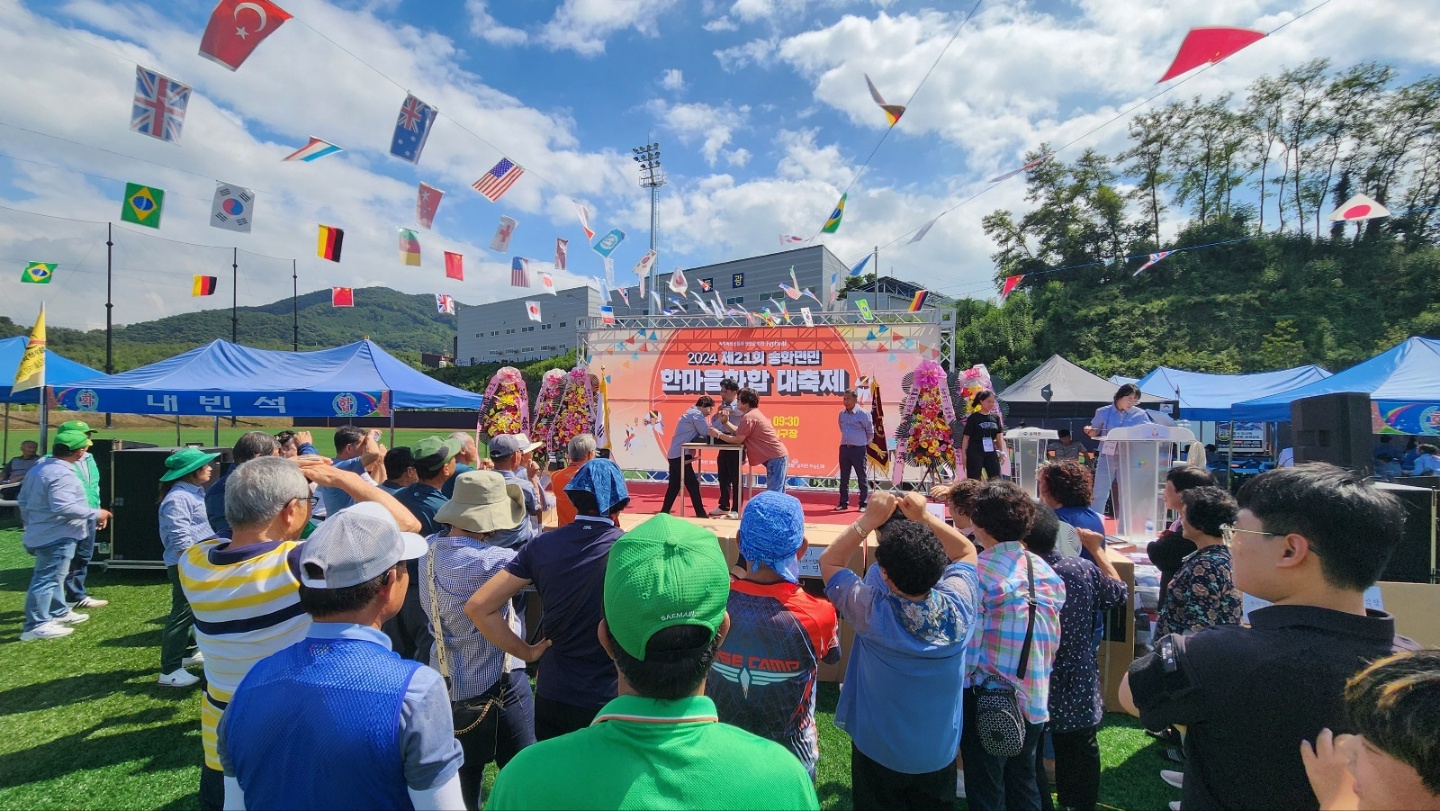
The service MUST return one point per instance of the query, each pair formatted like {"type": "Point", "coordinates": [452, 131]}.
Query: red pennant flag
{"type": "Point", "coordinates": [454, 266]}
{"type": "Point", "coordinates": [1011, 282]}
{"type": "Point", "coordinates": [1210, 45]}
{"type": "Point", "coordinates": [562, 249]}
{"type": "Point", "coordinates": [427, 200]}
{"type": "Point", "coordinates": [342, 297]}
{"type": "Point", "coordinates": [236, 29]}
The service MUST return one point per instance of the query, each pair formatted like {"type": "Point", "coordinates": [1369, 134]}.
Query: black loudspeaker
{"type": "Point", "coordinates": [134, 485]}
{"type": "Point", "coordinates": [1333, 428]}
{"type": "Point", "coordinates": [1414, 559]}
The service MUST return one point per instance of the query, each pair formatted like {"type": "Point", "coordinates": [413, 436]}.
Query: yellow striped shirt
{"type": "Point", "coordinates": [247, 606]}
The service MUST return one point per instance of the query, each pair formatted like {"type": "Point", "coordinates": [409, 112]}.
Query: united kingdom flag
{"type": "Point", "coordinates": [160, 102]}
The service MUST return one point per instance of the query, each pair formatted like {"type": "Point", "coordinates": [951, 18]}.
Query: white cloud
{"type": "Point", "coordinates": [758, 52]}
{"type": "Point", "coordinates": [673, 79]}
{"type": "Point", "coordinates": [719, 24]}
{"type": "Point", "coordinates": [737, 157]}
{"type": "Point", "coordinates": [713, 126]}
{"type": "Point", "coordinates": [484, 25]}
{"type": "Point", "coordinates": [583, 25]}
{"type": "Point", "coordinates": [291, 87]}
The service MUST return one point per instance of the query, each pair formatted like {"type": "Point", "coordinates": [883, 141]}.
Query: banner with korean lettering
{"type": "Point", "coordinates": [798, 372]}
{"type": "Point", "coordinates": [225, 404]}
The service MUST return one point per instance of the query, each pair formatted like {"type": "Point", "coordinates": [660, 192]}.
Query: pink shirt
{"type": "Point", "coordinates": [760, 440]}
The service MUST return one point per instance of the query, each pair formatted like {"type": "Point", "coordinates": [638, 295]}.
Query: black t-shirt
{"type": "Point", "coordinates": [1249, 696]}
{"type": "Point", "coordinates": [980, 427]}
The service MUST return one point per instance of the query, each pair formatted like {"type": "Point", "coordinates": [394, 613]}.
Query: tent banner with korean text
{"type": "Point", "coordinates": [799, 373]}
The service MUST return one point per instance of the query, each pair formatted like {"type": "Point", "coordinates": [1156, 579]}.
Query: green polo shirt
{"type": "Point", "coordinates": [644, 753]}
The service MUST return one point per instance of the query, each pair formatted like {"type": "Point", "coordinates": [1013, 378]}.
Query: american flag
{"type": "Point", "coordinates": [160, 102]}
{"type": "Point", "coordinates": [494, 183]}
{"type": "Point", "coordinates": [445, 303]}
{"type": "Point", "coordinates": [519, 272]}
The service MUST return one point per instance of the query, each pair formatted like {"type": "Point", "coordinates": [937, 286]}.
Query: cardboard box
{"type": "Point", "coordinates": [1117, 650]}
{"type": "Point", "coordinates": [1416, 608]}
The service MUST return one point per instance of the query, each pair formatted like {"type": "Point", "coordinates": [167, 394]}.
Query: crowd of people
{"type": "Point", "coordinates": [382, 655]}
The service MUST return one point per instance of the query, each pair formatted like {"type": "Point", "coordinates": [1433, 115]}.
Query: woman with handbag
{"type": "Point", "coordinates": [494, 712]}
{"type": "Point", "coordinates": [1011, 654]}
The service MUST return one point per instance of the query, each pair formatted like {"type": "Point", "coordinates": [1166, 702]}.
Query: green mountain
{"type": "Point", "coordinates": [405, 325]}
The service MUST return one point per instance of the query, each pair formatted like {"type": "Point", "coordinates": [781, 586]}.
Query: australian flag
{"type": "Point", "coordinates": [160, 102]}
{"type": "Point", "coordinates": [412, 128]}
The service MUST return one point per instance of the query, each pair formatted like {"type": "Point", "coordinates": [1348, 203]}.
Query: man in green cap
{"type": "Point", "coordinates": [56, 515]}
{"type": "Point", "coordinates": [659, 744]}
{"type": "Point", "coordinates": [89, 474]}
{"type": "Point", "coordinates": [409, 630]}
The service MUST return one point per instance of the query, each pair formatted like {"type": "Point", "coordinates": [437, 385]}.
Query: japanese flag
{"type": "Point", "coordinates": [547, 283]}
{"type": "Point", "coordinates": [678, 283]}
{"type": "Point", "coordinates": [532, 309]}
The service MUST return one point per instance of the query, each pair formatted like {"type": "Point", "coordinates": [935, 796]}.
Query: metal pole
{"type": "Point", "coordinates": [217, 432]}
{"type": "Point", "coordinates": [109, 307]}
{"type": "Point", "coordinates": [6, 451]}
{"type": "Point", "coordinates": [177, 430]}
{"type": "Point", "coordinates": [295, 306]}
{"type": "Point", "coordinates": [234, 295]}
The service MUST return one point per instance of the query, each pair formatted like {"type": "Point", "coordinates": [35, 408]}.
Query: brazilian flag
{"type": "Point", "coordinates": [142, 205]}
{"type": "Point", "coordinates": [38, 272]}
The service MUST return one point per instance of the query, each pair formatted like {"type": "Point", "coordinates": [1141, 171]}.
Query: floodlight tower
{"type": "Point", "coordinates": [652, 177]}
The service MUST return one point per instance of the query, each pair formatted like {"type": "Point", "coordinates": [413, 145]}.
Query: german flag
{"type": "Point", "coordinates": [203, 286]}
{"type": "Point", "coordinates": [331, 239]}
{"type": "Point", "coordinates": [919, 301]}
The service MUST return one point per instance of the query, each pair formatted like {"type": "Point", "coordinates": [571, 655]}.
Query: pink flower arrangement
{"type": "Point", "coordinates": [547, 402]}
{"type": "Point", "coordinates": [574, 416]}
{"type": "Point", "coordinates": [972, 381]}
{"type": "Point", "coordinates": [507, 406]}
{"type": "Point", "coordinates": [929, 412]}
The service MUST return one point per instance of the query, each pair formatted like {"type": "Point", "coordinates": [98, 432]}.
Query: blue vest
{"type": "Point", "coordinates": [317, 725]}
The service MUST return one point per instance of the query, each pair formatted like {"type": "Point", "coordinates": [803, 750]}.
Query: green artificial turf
{"type": "Point", "coordinates": [83, 725]}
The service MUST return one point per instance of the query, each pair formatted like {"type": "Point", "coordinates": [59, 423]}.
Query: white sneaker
{"type": "Point", "coordinates": [1174, 805]}
{"type": "Point", "coordinates": [179, 678]}
{"type": "Point", "coordinates": [71, 618]}
{"type": "Point", "coordinates": [959, 785]}
{"type": "Point", "coordinates": [732, 515]}
{"type": "Point", "coordinates": [718, 513]}
{"type": "Point", "coordinates": [191, 661]}
{"type": "Point", "coordinates": [46, 630]}
{"type": "Point", "coordinates": [1174, 778]}
{"type": "Point", "coordinates": [92, 602]}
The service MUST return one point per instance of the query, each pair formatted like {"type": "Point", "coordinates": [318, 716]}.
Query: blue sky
{"type": "Point", "coordinates": [760, 107]}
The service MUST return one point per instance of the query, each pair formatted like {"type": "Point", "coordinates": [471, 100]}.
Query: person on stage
{"type": "Point", "coordinates": [983, 442]}
{"type": "Point", "coordinates": [856, 430]}
{"type": "Point", "coordinates": [762, 445]}
{"type": "Point", "coordinates": [692, 427]}
{"type": "Point", "coordinates": [1121, 413]}
{"type": "Point", "coordinates": [727, 465]}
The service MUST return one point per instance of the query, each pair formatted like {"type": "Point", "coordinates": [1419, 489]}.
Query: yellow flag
{"type": "Point", "coordinates": [602, 420]}
{"type": "Point", "coordinates": [30, 374]}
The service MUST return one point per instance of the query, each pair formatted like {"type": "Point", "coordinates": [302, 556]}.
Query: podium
{"type": "Point", "coordinates": [1142, 456]}
{"type": "Point", "coordinates": [1027, 454]}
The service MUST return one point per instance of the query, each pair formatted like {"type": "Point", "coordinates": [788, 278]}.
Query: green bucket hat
{"type": "Point", "coordinates": [663, 573]}
{"type": "Point", "coordinates": [183, 462]}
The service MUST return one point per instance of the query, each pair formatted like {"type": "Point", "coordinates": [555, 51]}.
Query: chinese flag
{"type": "Point", "coordinates": [342, 297]}
{"type": "Point", "coordinates": [454, 266]}
{"type": "Point", "coordinates": [237, 28]}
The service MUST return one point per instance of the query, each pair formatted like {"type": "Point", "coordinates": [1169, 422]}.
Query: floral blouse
{"type": "Point", "coordinates": [1201, 595]}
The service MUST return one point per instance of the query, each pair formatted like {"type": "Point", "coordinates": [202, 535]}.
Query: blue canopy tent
{"type": "Point", "coordinates": [1209, 397]}
{"type": "Point", "coordinates": [225, 379]}
{"type": "Point", "coordinates": [1403, 383]}
{"type": "Point", "coordinates": [59, 370]}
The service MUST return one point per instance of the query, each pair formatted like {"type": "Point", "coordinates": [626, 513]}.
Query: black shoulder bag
{"type": "Point", "coordinates": [998, 718]}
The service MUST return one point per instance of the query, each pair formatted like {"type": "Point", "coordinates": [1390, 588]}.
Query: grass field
{"type": "Point", "coordinates": [86, 726]}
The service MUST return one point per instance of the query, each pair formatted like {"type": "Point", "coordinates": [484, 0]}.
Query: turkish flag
{"type": "Point", "coordinates": [236, 28]}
